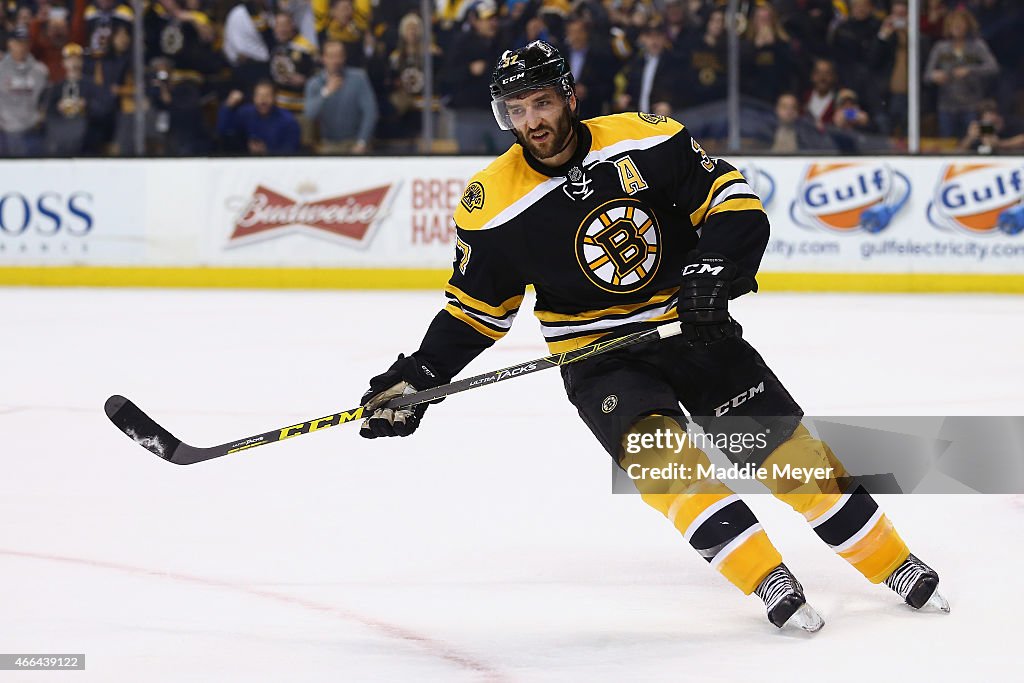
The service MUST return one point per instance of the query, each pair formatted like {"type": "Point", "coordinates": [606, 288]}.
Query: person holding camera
{"type": "Point", "coordinates": [177, 99]}
{"type": "Point", "coordinates": [850, 123]}
{"type": "Point", "coordinates": [989, 134]}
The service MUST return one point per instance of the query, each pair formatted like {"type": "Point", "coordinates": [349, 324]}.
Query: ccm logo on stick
{"type": "Point", "coordinates": [737, 401]}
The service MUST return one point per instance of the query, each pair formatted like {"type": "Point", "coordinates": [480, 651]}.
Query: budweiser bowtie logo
{"type": "Point", "coordinates": [349, 216]}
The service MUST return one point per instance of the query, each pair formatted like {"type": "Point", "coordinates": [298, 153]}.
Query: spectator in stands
{"type": "Point", "coordinates": [795, 132]}
{"type": "Point", "coordinates": [260, 128]}
{"type": "Point", "coordinates": [118, 76]}
{"type": "Point", "coordinates": [406, 78]}
{"type": "Point", "coordinates": [292, 62]}
{"type": "Point", "coordinates": [184, 34]}
{"type": "Point", "coordinates": [852, 42]}
{"type": "Point", "coordinates": [820, 101]}
{"type": "Point", "coordinates": [341, 101]}
{"type": "Point", "coordinates": [959, 66]}
{"type": "Point", "coordinates": [101, 18]}
{"type": "Point", "coordinates": [303, 17]}
{"type": "Point", "coordinates": [341, 25]}
{"type": "Point", "coordinates": [704, 68]}
{"type": "Point", "coordinates": [71, 106]}
{"type": "Point", "coordinates": [990, 134]}
{"type": "Point", "coordinates": [933, 19]}
{"type": "Point", "coordinates": [592, 67]}
{"type": "Point", "coordinates": [890, 61]}
{"type": "Point", "coordinates": [651, 77]}
{"type": "Point", "coordinates": [473, 56]}
{"type": "Point", "coordinates": [109, 69]}
{"type": "Point", "coordinates": [49, 32]}
{"type": "Point", "coordinates": [767, 58]}
{"type": "Point", "coordinates": [247, 37]}
{"type": "Point", "coordinates": [23, 17]}
{"type": "Point", "coordinates": [679, 28]}
{"type": "Point", "coordinates": [524, 24]}
{"type": "Point", "coordinates": [850, 123]}
{"type": "Point", "coordinates": [176, 98]}
{"type": "Point", "coordinates": [809, 22]}
{"type": "Point", "coordinates": [22, 83]}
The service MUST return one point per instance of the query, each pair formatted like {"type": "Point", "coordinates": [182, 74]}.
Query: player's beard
{"type": "Point", "coordinates": [561, 136]}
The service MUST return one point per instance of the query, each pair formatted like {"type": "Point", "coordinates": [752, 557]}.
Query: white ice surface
{"type": "Point", "coordinates": [487, 546]}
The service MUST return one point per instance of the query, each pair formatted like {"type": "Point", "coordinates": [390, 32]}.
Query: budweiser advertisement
{"type": "Point", "coordinates": [349, 218]}
{"type": "Point", "coordinates": [350, 213]}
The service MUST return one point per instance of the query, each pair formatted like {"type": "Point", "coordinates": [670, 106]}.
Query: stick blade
{"type": "Point", "coordinates": [141, 428]}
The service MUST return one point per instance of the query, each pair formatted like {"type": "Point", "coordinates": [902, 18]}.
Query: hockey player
{"type": "Point", "coordinates": [622, 223]}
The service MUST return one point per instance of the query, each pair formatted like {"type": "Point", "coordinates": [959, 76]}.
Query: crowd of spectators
{"type": "Point", "coordinates": [348, 76]}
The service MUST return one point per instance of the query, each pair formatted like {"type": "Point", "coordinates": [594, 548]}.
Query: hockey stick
{"type": "Point", "coordinates": [145, 431]}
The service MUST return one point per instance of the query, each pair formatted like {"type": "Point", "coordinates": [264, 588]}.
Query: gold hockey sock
{"type": "Point", "coordinates": [709, 515]}
{"type": "Point", "coordinates": [850, 522]}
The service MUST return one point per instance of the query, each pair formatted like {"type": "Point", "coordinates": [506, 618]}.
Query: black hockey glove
{"type": "Point", "coordinates": [405, 376]}
{"type": "Point", "coordinates": [704, 293]}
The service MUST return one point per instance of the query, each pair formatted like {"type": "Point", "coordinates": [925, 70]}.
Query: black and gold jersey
{"type": "Point", "coordinates": [296, 57]}
{"type": "Point", "coordinates": [603, 239]}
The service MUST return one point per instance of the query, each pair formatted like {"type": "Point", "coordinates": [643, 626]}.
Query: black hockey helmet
{"type": "Point", "coordinates": [538, 65]}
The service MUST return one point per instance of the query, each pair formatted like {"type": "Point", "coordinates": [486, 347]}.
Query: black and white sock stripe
{"type": "Point", "coordinates": [846, 522]}
{"type": "Point", "coordinates": [721, 528]}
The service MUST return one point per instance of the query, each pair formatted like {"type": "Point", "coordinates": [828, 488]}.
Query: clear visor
{"type": "Point", "coordinates": [519, 109]}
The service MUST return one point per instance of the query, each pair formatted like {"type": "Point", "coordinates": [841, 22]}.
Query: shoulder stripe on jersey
{"type": "Point", "coordinates": [745, 203]}
{"type": "Point", "coordinates": [504, 181]}
{"type": "Point", "coordinates": [629, 125]}
{"type": "Point", "coordinates": [523, 203]}
{"type": "Point", "coordinates": [542, 189]}
{"type": "Point", "coordinates": [501, 310]}
{"type": "Point", "coordinates": [697, 217]}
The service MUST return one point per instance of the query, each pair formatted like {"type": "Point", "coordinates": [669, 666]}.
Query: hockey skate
{"type": "Point", "coordinates": [917, 584]}
{"type": "Point", "coordinates": [784, 598]}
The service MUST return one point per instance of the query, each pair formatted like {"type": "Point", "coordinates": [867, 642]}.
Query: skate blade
{"type": "Point", "coordinates": [807, 618]}
{"type": "Point", "coordinates": [937, 602]}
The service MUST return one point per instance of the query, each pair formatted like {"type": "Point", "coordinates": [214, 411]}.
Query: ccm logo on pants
{"type": "Point", "coordinates": [737, 401]}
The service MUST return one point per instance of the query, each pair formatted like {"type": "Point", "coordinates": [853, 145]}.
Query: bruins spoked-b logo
{"type": "Point", "coordinates": [618, 246]}
{"type": "Point", "coordinates": [473, 197]}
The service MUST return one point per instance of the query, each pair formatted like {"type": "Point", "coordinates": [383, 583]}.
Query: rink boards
{"type": "Point", "coordinates": [838, 224]}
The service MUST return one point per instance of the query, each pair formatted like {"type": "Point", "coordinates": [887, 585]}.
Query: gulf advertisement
{"type": "Point", "coordinates": [893, 215]}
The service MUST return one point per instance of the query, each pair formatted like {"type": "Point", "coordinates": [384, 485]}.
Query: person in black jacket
{"type": "Point", "coordinates": [852, 44]}
{"type": "Point", "coordinates": [651, 78]}
{"type": "Point", "coordinates": [469, 74]}
{"type": "Point", "coordinates": [71, 105]}
{"type": "Point", "coordinates": [592, 64]}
